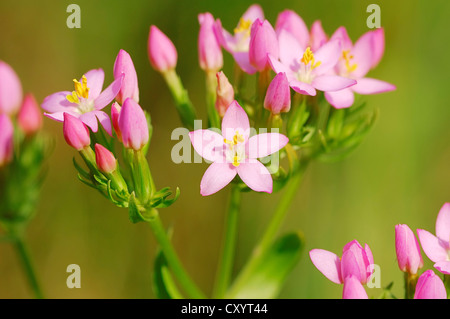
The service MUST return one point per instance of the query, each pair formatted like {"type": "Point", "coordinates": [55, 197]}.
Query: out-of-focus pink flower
{"type": "Point", "coordinates": [106, 162]}
{"type": "Point", "coordinates": [86, 102]}
{"type": "Point", "coordinates": [355, 262]}
{"type": "Point", "coordinates": [6, 139]}
{"type": "Point", "coordinates": [10, 90]}
{"type": "Point", "coordinates": [238, 43]}
{"type": "Point", "coordinates": [291, 22]}
{"type": "Point", "coordinates": [124, 66]}
{"type": "Point", "coordinates": [161, 50]}
{"type": "Point", "coordinates": [278, 97]}
{"type": "Point", "coordinates": [76, 133]}
{"type": "Point", "coordinates": [263, 42]}
{"type": "Point", "coordinates": [307, 70]}
{"type": "Point", "coordinates": [317, 37]}
{"type": "Point", "coordinates": [209, 50]}
{"type": "Point", "coordinates": [430, 286]}
{"type": "Point", "coordinates": [355, 62]}
{"type": "Point", "coordinates": [353, 289]}
{"type": "Point", "coordinates": [29, 118]}
{"type": "Point", "coordinates": [437, 248]}
{"type": "Point", "coordinates": [408, 250]}
{"type": "Point", "coordinates": [133, 125]}
{"type": "Point", "coordinates": [225, 93]}
{"type": "Point", "coordinates": [234, 152]}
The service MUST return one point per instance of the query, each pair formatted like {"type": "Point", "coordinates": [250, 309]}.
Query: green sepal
{"type": "Point", "coordinates": [159, 199]}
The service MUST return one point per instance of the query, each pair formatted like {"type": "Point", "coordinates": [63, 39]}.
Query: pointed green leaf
{"type": "Point", "coordinates": [163, 284]}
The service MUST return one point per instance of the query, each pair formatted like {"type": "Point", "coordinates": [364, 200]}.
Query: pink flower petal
{"type": "Point", "coordinates": [235, 120]}
{"type": "Point", "coordinates": [443, 267]}
{"type": "Point", "coordinates": [10, 89]}
{"type": "Point", "coordinates": [59, 116]}
{"type": "Point", "coordinates": [378, 44]}
{"type": "Point", "coordinates": [108, 94]}
{"type": "Point", "coordinates": [353, 289]}
{"type": "Point", "coordinates": [331, 83]}
{"type": "Point", "coordinates": [290, 50]}
{"type": "Point", "coordinates": [256, 176]}
{"type": "Point", "coordinates": [90, 120]}
{"type": "Point", "coordinates": [104, 120]}
{"type": "Point", "coordinates": [363, 55]}
{"type": "Point", "coordinates": [328, 55]}
{"type": "Point", "coordinates": [318, 36]}
{"type": "Point", "coordinates": [262, 145]}
{"type": "Point", "coordinates": [342, 35]}
{"type": "Point", "coordinates": [95, 79]}
{"type": "Point", "coordinates": [279, 67]}
{"type": "Point", "coordinates": [208, 144]}
{"type": "Point", "coordinates": [372, 86]}
{"type": "Point", "coordinates": [302, 88]}
{"type": "Point", "coordinates": [57, 102]}
{"type": "Point", "coordinates": [327, 263]}
{"type": "Point", "coordinates": [443, 223]}
{"type": "Point", "coordinates": [291, 22]}
{"type": "Point", "coordinates": [243, 61]}
{"type": "Point", "coordinates": [340, 99]}
{"type": "Point", "coordinates": [430, 286]}
{"type": "Point", "coordinates": [216, 177]}
{"type": "Point", "coordinates": [432, 246]}
{"type": "Point", "coordinates": [253, 12]}
{"type": "Point", "coordinates": [225, 39]}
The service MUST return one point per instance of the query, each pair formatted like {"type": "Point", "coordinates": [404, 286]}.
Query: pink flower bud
{"type": "Point", "coordinates": [356, 261]}
{"type": "Point", "coordinates": [225, 93]}
{"type": "Point", "coordinates": [263, 41]}
{"type": "Point", "coordinates": [161, 51]}
{"type": "Point", "coordinates": [353, 289]}
{"type": "Point", "coordinates": [129, 89]}
{"type": "Point", "coordinates": [30, 116]}
{"type": "Point", "coordinates": [408, 250]}
{"type": "Point", "coordinates": [290, 21]}
{"type": "Point", "coordinates": [278, 96]}
{"type": "Point", "coordinates": [106, 162]}
{"type": "Point", "coordinates": [430, 286]}
{"type": "Point", "coordinates": [133, 125]}
{"type": "Point", "coordinates": [76, 132]}
{"type": "Point", "coordinates": [115, 112]}
{"type": "Point", "coordinates": [10, 90]}
{"type": "Point", "coordinates": [209, 50]}
{"type": "Point", "coordinates": [6, 140]}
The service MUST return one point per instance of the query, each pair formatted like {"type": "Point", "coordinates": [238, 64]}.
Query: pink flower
{"type": "Point", "coordinates": [29, 118]}
{"type": "Point", "coordinates": [317, 37]}
{"type": "Point", "coordinates": [209, 50]}
{"type": "Point", "coordinates": [234, 152]}
{"type": "Point", "coordinates": [106, 162]}
{"type": "Point", "coordinates": [307, 70]}
{"type": "Point", "coordinates": [408, 250]}
{"type": "Point", "coordinates": [86, 102]}
{"type": "Point", "coordinates": [238, 44]}
{"type": "Point", "coordinates": [278, 97]}
{"type": "Point", "coordinates": [115, 112]}
{"type": "Point", "coordinates": [10, 90]}
{"type": "Point", "coordinates": [353, 289]}
{"type": "Point", "coordinates": [133, 125]}
{"type": "Point", "coordinates": [76, 133]}
{"type": "Point", "coordinates": [430, 286]}
{"type": "Point", "coordinates": [437, 248]}
{"type": "Point", "coordinates": [291, 22]}
{"type": "Point", "coordinates": [263, 42]}
{"type": "Point", "coordinates": [355, 262]}
{"type": "Point", "coordinates": [225, 93]}
{"type": "Point", "coordinates": [6, 140]}
{"type": "Point", "coordinates": [356, 60]}
{"type": "Point", "coordinates": [124, 66]}
{"type": "Point", "coordinates": [161, 51]}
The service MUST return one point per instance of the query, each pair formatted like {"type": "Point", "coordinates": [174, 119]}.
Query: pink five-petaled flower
{"type": "Point", "coordinates": [353, 289]}
{"type": "Point", "coordinates": [6, 139]}
{"type": "Point", "coordinates": [235, 152]}
{"type": "Point", "coordinates": [356, 261]}
{"type": "Point", "coordinates": [10, 90]}
{"type": "Point", "coordinates": [86, 102]}
{"type": "Point", "coordinates": [407, 249]}
{"type": "Point", "coordinates": [307, 70]}
{"type": "Point", "coordinates": [356, 60]}
{"type": "Point", "coordinates": [209, 50]}
{"type": "Point", "coordinates": [430, 286]}
{"type": "Point", "coordinates": [437, 248]}
{"type": "Point", "coordinates": [238, 44]}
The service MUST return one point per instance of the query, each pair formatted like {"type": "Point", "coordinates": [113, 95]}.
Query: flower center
{"type": "Point", "coordinates": [347, 57]}
{"type": "Point", "coordinates": [308, 63]}
{"type": "Point", "coordinates": [235, 153]}
{"type": "Point", "coordinates": [80, 96]}
{"type": "Point", "coordinates": [243, 26]}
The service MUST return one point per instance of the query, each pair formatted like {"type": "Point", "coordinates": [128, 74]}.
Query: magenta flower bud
{"type": "Point", "coordinates": [263, 42]}
{"type": "Point", "coordinates": [290, 21]}
{"type": "Point", "coordinates": [353, 289]}
{"type": "Point", "coordinates": [106, 162]}
{"type": "Point", "coordinates": [129, 89]}
{"type": "Point", "coordinates": [10, 90]}
{"type": "Point", "coordinates": [225, 93]}
{"type": "Point", "coordinates": [161, 51]}
{"type": "Point", "coordinates": [6, 140]}
{"type": "Point", "coordinates": [356, 261]}
{"type": "Point", "coordinates": [76, 132]}
{"type": "Point", "coordinates": [30, 116]}
{"type": "Point", "coordinates": [209, 50]}
{"type": "Point", "coordinates": [133, 125]}
{"type": "Point", "coordinates": [115, 112]}
{"type": "Point", "coordinates": [278, 96]}
{"type": "Point", "coordinates": [408, 250]}
{"type": "Point", "coordinates": [430, 286]}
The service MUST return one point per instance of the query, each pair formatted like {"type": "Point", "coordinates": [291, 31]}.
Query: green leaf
{"type": "Point", "coordinates": [273, 269]}
{"type": "Point", "coordinates": [163, 284]}
{"type": "Point", "coordinates": [133, 210]}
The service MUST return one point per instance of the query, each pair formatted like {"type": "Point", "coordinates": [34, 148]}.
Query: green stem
{"type": "Point", "coordinates": [211, 86]}
{"type": "Point", "coordinates": [447, 285]}
{"type": "Point", "coordinates": [410, 285]}
{"type": "Point", "coordinates": [172, 259]}
{"type": "Point", "coordinates": [229, 244]}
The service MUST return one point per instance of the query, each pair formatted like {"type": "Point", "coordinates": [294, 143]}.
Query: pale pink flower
{"type": "Point", "coordinates": [86, 102]}
{"type": "Point", "coordinates": [353, 289]}
{"type": "Point", "coordinates": [437, 248]}
{"type": "Point", "coordinates": [408, 250]}
{"type": "Point", "coordinates": [209, 50]}
{"type": "Point", "coordinates": [317, 37]}
{"type": "Point", "coordinates": [10, 90]}
{"type": "Point", "coordinates": [430, 286]}
{"type": "Point", "coordinates": [234, 152]}
{"type": "Point", "coordinates": [290, 21]}
{"type": "Point", "coordinates": [161, 50]}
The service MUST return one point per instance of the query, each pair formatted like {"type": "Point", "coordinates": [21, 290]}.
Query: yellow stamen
{"type": "Point", "coordinates": [243, 26]}
{"type": "Point", "coordinates": [347, 57]}
{"type": "Point", "coordinates": [236, 161]}
{"type": "Point", "coordinates": [308, 57]}
{"type": "Point", "coordinates": [237, 138]}
{"type": "Point", "coordinates": [81, 90]}
{"type": "Point", "coordinates": [73, 98]}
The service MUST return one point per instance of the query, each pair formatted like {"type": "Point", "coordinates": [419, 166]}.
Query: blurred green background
{"type": "Point", "coordinates": [400, 174]}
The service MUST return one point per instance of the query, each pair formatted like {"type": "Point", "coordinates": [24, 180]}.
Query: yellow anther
{"type": "Point", "coordinates": [236, 161]}
{"type": "Point", "coordinates": [243, 26]}
{"type": "Point", "coordinates": [237, 138]}
{"type": "Point", "coordinates": [308, 57]}
{"type": "Point", "coordinates": [73, 98]}
{"type": "Point", "coordinates": [347, 57]}
{"type": "Point", "coordinates": [81, 90]}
